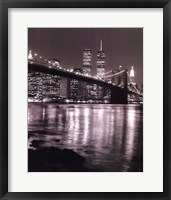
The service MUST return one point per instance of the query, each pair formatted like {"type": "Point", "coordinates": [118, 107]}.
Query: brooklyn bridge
{"type": "Point", "coordinates": [118, 94]}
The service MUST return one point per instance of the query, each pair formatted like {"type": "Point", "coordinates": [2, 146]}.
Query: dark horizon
{"type": "Point", "coordinates": [122, 46]}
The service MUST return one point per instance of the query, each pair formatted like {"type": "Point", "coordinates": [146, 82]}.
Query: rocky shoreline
{"type": "Point", "coordinates": [52, 159]}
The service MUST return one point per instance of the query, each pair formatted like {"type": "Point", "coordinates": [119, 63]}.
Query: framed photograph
{"type": "Point", "coordinates": [84, 92]}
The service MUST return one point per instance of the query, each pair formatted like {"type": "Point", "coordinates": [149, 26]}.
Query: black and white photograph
{"type": "Point", "coordinates": [85, 99]}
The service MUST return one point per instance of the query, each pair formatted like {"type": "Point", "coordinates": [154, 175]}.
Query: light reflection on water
{"type": "Point", "coordinates": [110, 137]}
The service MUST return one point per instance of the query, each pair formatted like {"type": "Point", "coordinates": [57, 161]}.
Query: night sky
{"type": "Point", "coordinates": [122, 46]}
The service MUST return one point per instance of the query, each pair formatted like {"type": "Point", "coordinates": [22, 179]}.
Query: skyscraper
{"type": "Point", "coordinates": [132, 85]}
{"type": "Point", "coordinates": [87, 61]}
{"type": "Point", "coordinates": [87, 65]}
{"type": "Point", "coordinates": [132, 74]}
{"type": "Point", "coordinates": [30, 56]}
{"type": "Point", "coordinates": [100, 70]}
{"type": "Point", "coordinates": [101, 61]}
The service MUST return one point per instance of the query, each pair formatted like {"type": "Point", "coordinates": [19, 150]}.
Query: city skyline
{"type": "Point", "coordinates": [67, 45]}
{"type": "Point", "coordinates": [85, 110]}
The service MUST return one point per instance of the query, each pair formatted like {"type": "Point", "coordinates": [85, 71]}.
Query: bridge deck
{"type": "Point", "coordinates": [118, 95]}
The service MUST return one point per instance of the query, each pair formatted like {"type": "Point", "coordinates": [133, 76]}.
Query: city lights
{"type": "Point", "coordinates": [110, 77]}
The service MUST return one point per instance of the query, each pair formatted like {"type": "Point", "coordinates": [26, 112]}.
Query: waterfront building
{"type": "Point", "coordinates": [75, 86]}
{"type": "Point", "coordinates": [43, 86]}
{"type": "Point", "coordinates": [51, 86]}
{"type": "Point", "coordinates": [51, 83]}
{"type": "Point", "coordinates": [64, 87]}
{"type": "Point", "coordinates": [35, 83]}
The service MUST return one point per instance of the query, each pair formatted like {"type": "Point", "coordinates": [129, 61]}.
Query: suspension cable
{"type": "Point", "coordinates": [108, 72]}
{"type": "Point", "coordinates": [115, 74]}
{"type": "Point", "coordinates": [104, 76]}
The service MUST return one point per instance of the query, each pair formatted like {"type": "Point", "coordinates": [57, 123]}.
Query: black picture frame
{"type": "Point", "coordinates": [4, 5]}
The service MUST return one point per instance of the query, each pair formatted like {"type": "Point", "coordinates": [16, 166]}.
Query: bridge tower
{"type": "Point", "coordinates": [118, 95]}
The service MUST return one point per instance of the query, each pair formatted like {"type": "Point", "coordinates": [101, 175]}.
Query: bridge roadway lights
{"type": "Point", "coordinates": [118, 95]}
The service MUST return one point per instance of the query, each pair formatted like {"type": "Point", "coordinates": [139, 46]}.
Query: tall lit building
{"type": "Point", "coordinates": [100, 70]}
{"type": "Point", "coordinates": [132, 85]}
{"type": "Point", "coordinates": [132, 74]}
{"type": "Point", "coordinates": [75, 91]}
{"type": "Point", "coordinates": [101, 61]}
{"type": "Point", "coordinates": [87, 65]}
{"type": "Point", "coordinates": [30, 56]}
{"type": "Point", "coordinates": [87, 61]}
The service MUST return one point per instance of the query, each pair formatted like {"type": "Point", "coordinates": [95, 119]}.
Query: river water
{"type": "Point", "coordinates": [110, 137]}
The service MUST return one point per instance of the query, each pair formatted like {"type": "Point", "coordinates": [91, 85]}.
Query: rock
{"type": "Point", "coordinates": [73, 160]}
{"type": "Point", "coordinates": [41, 159]}
{"type": "Point", "coordinates": [36, 143]}
{"type": "Point", "coordinates": [89, 151]}
{"type": "Point", "coordinates": [35, 161]}
{"type": "Point", "coordinates": [52, 154]}
{"type": "Point", "coordinates": [57, 140]}
{"type": "Point", "coordinates": [137, 158]}
{"type": "Point", "coordinates": [53, 159]}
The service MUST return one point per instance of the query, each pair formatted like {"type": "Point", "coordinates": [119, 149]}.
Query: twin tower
{"type": "Point", "coordinates": [87, 61]}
